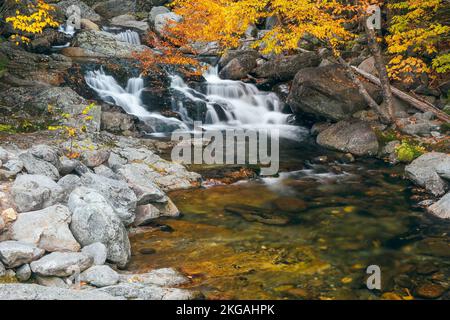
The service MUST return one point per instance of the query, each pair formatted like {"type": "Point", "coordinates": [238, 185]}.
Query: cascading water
{"type": "Point", "coordinates": [129, 99]}
{"type": "Point", "coordinates": [129, 36]}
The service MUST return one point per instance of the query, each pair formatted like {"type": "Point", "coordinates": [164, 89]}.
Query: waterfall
{"type": "Point", "coordinates": [129, 36]}
{"type": "Point", "coordinates": [129, 99]}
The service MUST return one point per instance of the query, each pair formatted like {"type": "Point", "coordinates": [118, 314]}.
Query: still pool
{"type": "Point", "coordinates": [308, 234]}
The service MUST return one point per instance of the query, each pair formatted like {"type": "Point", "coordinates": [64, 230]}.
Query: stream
{"type": "Point", "coordinates": [309, 233]}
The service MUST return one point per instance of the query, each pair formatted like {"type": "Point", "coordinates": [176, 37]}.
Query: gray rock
{"type": "Point", "coordinates": [15, 253]}
{"type": "Point", "coordinates": [146, 214]}
{"type": "Point", "coordinates": [354, 136]}
{"type": "Point", "coordinates": [2, 269]}
{"type": "Point", "coordinates": [96, 251]}
{"type": "Point", "coordinates": [137, 291]}
{"type": "Point", "coordinates": [441, 209]}
{"type": "Point", "coordinates": [117, 122]}
{"type": "Point", "coordinates": [37, 292]}
{"type": "Point", "coordinates": [239, 67]}
{"type": "Point", "coordinates": [138, 178]}
{"type": "Point", "coordinates": [35, 192]}
{"type": "Point", "coordinates": [166, 277]}
{"type": "Point", "coordinates": [233, 54]}
{"type": "Point", "coordinates": [117, 193]}
{"type": "Point", "coordinates": [168, 209]}
{"type": "Point", "coordinates": [155, 12]}
{"type": "Point", "coordinates": [443, 169]}
{"type": "Point", "coordinates": [86, 11]}
{"type": "Point", "coordinates": [4, 155]}
{"type": "Point", "coordinates": [116, 161]}
{"type": "Point", "coordinates": [113, 8]}
{"type": "Point", "coordinates": [61, 264]}
{"type": "Point", "coordinates": [93, 220]}
{"type": "Point", "coordinates": [94, 158]}
{"type": "Point", "coordinates": [163, 20]}
{"type": "Point", "coordinates": [23, 273]}
{"type": "Point", "coordinates": [422, 172]}
{"type": "Point", "coordinates": [47, 229]}
{"type": "Point", "coordinates": [67, 166]}
{"type": "Point", "coordinates": [129, 21]}
{"type": "Point", "coordinates": [104, 171]}
{"type": "Point", "coordinates": [102, 44]}
{"type": "Point", "coordinates": [46, 153]}
{"type": "Point", "coordinates": [54, 282]}
{"type": "Point", "coordinates": [14, 166]}
{"type": "Point", "coordinates": [328, 92]}
{"type": "Point", "coordinates": [69, 183]}
{"type": "Point", "coordinates": [35, 165]}
{"type": "Point", "coordinates": [2, 224]}
{"type": "Point", "coordinates": [100, 276]}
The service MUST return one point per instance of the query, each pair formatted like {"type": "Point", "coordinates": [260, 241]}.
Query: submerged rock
{"type": "Point", "coordinates": [48, 229]}
{"type": "Point", "coordinates": [354, 136]}
{"type": "Point", "coordinates": [255, 214]}
{"type": "Point", "coordinates": [441, 209]}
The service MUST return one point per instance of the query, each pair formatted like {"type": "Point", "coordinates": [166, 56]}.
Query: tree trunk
{"type": "Point", "coordinates": [382, 72]}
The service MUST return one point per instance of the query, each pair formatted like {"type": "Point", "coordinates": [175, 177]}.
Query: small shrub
{"type": "Point", "coordinates": [407, 151]}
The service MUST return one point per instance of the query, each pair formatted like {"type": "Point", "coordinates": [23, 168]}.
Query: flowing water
{"type": "Point", "coordinates": [129, 36]}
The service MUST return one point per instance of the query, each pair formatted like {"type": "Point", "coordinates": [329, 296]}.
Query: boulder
{"type": "Point", "coordinates": [354, 136]}
{"type": "Point", "coordinates": [138, 177]}
{"type": "Point", "coordinates": [328, 92]}
{"type": "Point", "coordinates": [37, 292]}
{"type": "Point", "coordinates": [117, 122]}
{"type": "Point", "coordinates": [129, 21]}
{"type": "Point", "coordinates": [100, 276]}
{"type": "Point", "coordinates": [15, 253]}
{"type": "Point", "coordinates": [113, 8]}
{"type": "Point", "coordinates": [155, 12]}
{"type": "Point", "coordinates": [69, 183]}
{"type": "Point", "coordinates": [239, 67]}
{"type": "Point", "coordinates": [46, 153]}
{"type": "Point", "coordinates": [47, 229]}
{"type": "Point", "coordinates": [163, 20]}
{"type": "Point", "coordinates": [11, 169]}
{"type": "Point", "coordinates": [232, 54]}
{"type": "Point", "coordinates": [61, 264]}
{"type": "Point", "coordinates": [23, 273]}
{"type": "Point", "coordinates": [2, 224]}
{"type": "Point", "coordinates": [117, 194]}
{"type": "Point", "coordinates": [284, 68]}
{"type": "Point", "coordinates": [102, 44]}
{"type": "Point", "coordinates": [104, 171]}
{"type": "Point", "coordinates": [137, 291]}
{"type": "Point", "coordinates": [87, 24]}
{"type": "Point", "coordinates": [423, 172]}
{"type": "Point", "coordinates": [441, 209]}
{"type": "Point", "coordinates": [35, 192]}
{"type": "Point", "coordinates": [2, 270]}
{"type": "Point", "coordinates": [94, 158]}
{"type": "Point", "coordinates": [146, 5]}
{"type": "Point", "coordinates": [166, 277]}
{"type": "Point", "coordinates": [54, 282]}
{"type": "Point", "coordinates": [93, 220]}
{"type": "Point", "coordinates": [86, 11]}
{"type": "Point", "coordinates": [36, 166]}
{"type": "Point", "coordinates": [96, 251]}
{"type": "Point", "coordinates": [368, 65]}
{"type": "Point", "coordinates": [168, 209]}
{"type": "Point", "coordinates": [146, 214]}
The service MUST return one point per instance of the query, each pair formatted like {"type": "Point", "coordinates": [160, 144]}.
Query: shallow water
{"type": "Point", "coordinates": [308, 234]}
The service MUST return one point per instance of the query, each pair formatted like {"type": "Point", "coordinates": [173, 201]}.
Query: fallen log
{"type": "Point", "coordinates": [414, 102]}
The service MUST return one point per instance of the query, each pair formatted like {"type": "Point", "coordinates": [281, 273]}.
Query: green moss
{"type": "Point", "coordinates": [3, 65]}
{"type": "Point", "coordinates": [384, 137]}
{"type": "Point", "coordinates": [7, 128]}
{"type": "Point", "coordinates": [407, 151]}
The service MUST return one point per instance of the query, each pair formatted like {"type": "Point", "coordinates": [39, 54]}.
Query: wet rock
{"type": "Point", "coordinates": [15, 253]}
{"type": "Point", "coordinates": [129, 21]}
{"type": "Point", "coordinates": [163, 20]}
{"type": "Point", "coordinates": [35, 192]}
{"type": "Point", "coordinates": [146, 214]}
{"type": "Point", "coordinates": [47, 229]}
{"type": "Point", "coordinates": [284, 68]}
{"type": "Point", "coordinates": [168, 209]}
{"type": "Point", "coordinates": [100, 276]}
{"type": "Point", "coordinates": [327, 92]}
{"type": "Point", "coordinates": [430, 291]}
{"type": "Point", "coordinates": [23, 273]}
{"type": "Point", "coordinates": [166, 277]}
{"type": "Point", "coordinates": [138, 291]}
{"type": "Point", "coordinates": [138, 178]}
{"type": "Point", "coordinates": [354, 136]}
{"type": "Point", "coordinates": [61, 264]}
{"type": "Point", "coordinates": [97, 251]}
{"type": "Point", "coordinates": [94, 220]}
{"type": "Point", "coordinates": [422, 172]}
{"type": "Point", "coordinates": [239, 67]}
{"type": "Point", "coordinates": [117, 193]}
{"type": "Point", "coordinates": [86, 11]}
{"type": "Point", "coordinates": [34, 165]}
{"type": "Point", "coordinates": [113, 8]}
{"type": "Point", "coordinates": [37, 292]}
{"type": "Point", "coordinates": [102, 44]}
{"type": "Point", "coordinates": [441, 209]}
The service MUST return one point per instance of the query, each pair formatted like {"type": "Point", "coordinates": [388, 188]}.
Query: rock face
{"type": "Point", "coordinates": [441, 209]}
{"type": "Point", "coordinates": [327, 92]}
{"type": "Point", "coordinates": [26, 68]}
{"type": "Point", "coordinates": [285, 68]}
{"type": "Point", "coordinates": [35, 192]}
{"type": "Point", "coordinates": [93, 220]}
{"type": "Point", "coordinates": [48, 229]}
{"type": "Point", "coordinates": [61, 264]}
{"type": "Point", "coordinates": [104, 45]}
{"type": "Point", "coordinates": [117, 193]}
{"type": "Point", "coordinates": [354, 136]}
{"type": "Point", "coordinates": [423, 172]}
{"type": "Point", "coordinates": [86, 11]}
{"type": "Point", "coordinates": [100, 276]}
{"type": "Point", "coordinates": [37, 292]}
{"type": "Point", "coordinates": [15, 253]}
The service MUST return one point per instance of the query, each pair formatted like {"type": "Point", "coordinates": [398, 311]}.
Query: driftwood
{"type": "Point", "coordinates": [416, 103]}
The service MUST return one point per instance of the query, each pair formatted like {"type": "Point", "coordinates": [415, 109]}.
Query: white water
{"type": "Point", "coordinates": [129, 36]}
{"type": "Point", "coordinates": [128, 98]}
